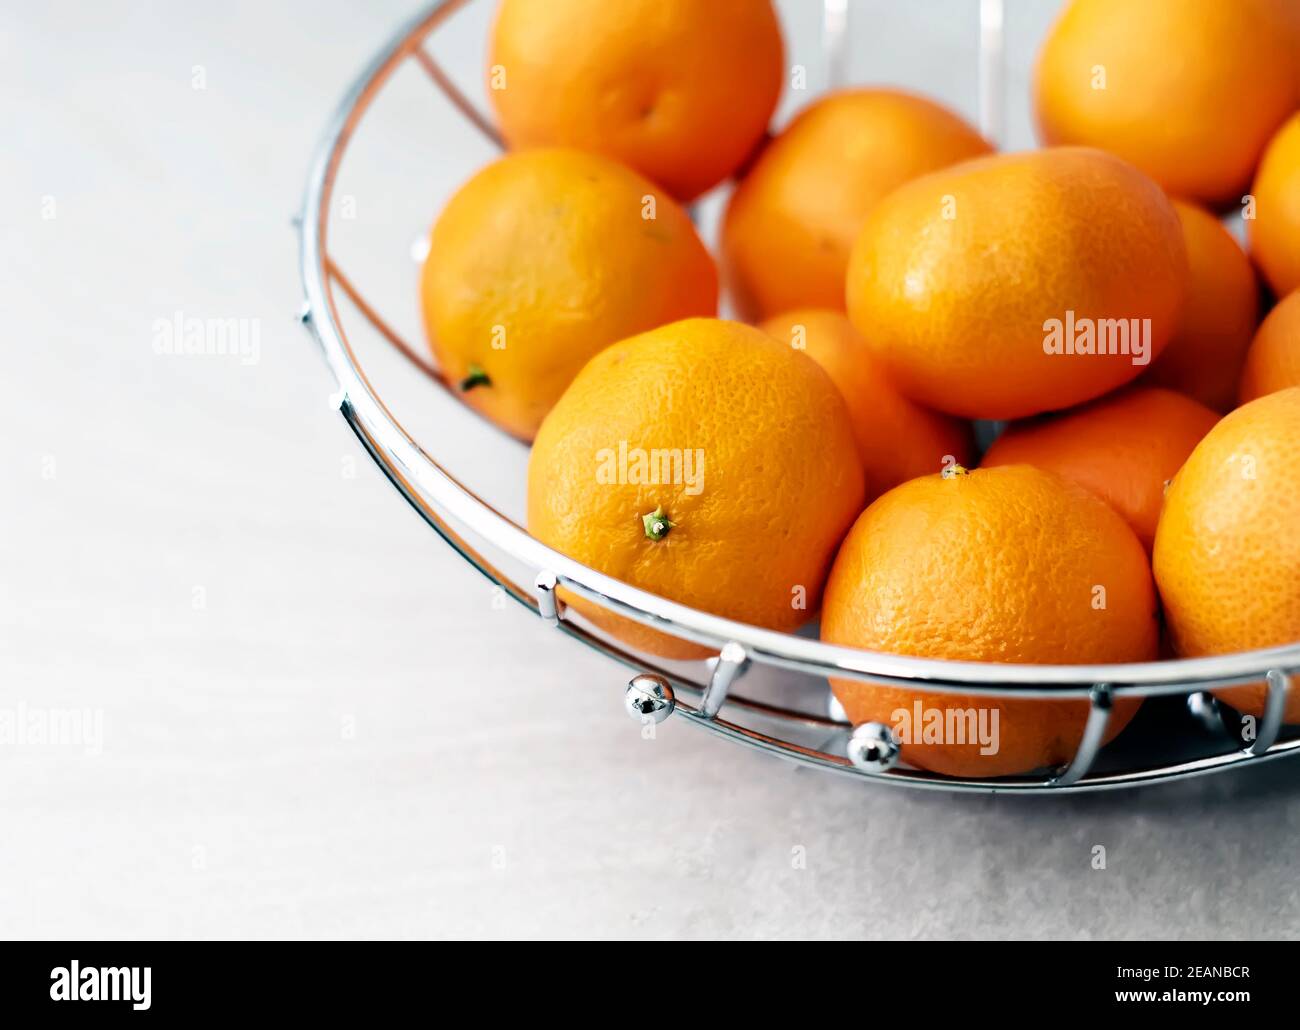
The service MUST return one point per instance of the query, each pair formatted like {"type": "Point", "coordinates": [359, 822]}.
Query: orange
{"type": "Point", "coordinates": [1293, 10]}
{"type": "Point", "coordinates": [987, 289]}
{"type": "Point", "coordinates": [1204, 358]}
{"type": "Point", "coordinates": [1227, 554]}
{"type": "Point", "coordinates": [1123, 448]}
{"type": "Point", "coordinates": [679, 90]}
{"type": "Point", "coordinates": [793, 219]}
{"type": "Point", "coordinates": [704, 462]}
{"type": "Point", "coordinates": [1273, 362]}
{"type": "Point", "coordinates": [1274, 232]}
{"type": "Point", "coordinates": [999, 565]}
{"type": "Point", "coordinates": [897, 438]}
{"type": "Point", "coordinates": [542, 259]}
{"type": "Point", "coordinates": [1195, 120]}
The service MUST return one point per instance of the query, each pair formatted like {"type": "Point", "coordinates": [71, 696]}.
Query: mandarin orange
{"type": "Point", "coordinates": [539, 261]}
{"type": "Point", "coordinates": [898, 439]}
{"type": "Point", "coordinates": [1204, 358]}
{"type": "Point", "coordinates": [1274, 232]}
{"type": "Point", "coordinates": [1015, 284]}
{"type": "Point", "coordinates": [1195, 120]}
{"type": "Point", "coordinates": [1008, 564]}
{"type": "Point", "coordinates": [677, 89]}
{"type": "Point", "coordinates": [795, 215]}
{"type": "Point", "coordinates": [1273, 361]}
{"type": "Point", "coordinates": [1124, 448]}
{"type": "Point", "coordinates": [705, 462]}
{"type": "Point", "coordinates": [1227, 553]}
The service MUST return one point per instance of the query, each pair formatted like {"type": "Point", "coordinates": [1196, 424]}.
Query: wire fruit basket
{"type": "Point", "coordinates": [764, 689]}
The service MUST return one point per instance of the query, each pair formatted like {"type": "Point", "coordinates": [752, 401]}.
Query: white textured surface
{"type": "Point", "coordinates": [347, 738]}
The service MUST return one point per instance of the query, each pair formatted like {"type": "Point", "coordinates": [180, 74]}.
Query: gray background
{"type": "Point", "coordinates": [315, 723]}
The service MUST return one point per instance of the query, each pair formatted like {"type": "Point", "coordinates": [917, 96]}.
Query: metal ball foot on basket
{"type": "Point", "coordinates": [872, 748]}
{"type": "Point", "coordinates": [649, 697]}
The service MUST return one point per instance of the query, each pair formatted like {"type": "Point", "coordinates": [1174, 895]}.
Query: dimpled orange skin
{"type": "Point", "coordinates": [1196, 116]}
{"type": "Point", "coordinates": [1123, 448]}
{"type": "Point", "coordinates": [1227, 554]}
{"type": "Point", "coordinates": [1273, 362]}
{"type": "Point", "coordinates": [542, 259]}
{"type": "Point", "coordinates": [1001, 565]}
{"type": "Point", "coordinates": [677, 89]}
{"type": "Point", "coordinates": [956, 273]}
{"type": "Point", "coordinates": [1274, 233]}
{"type": "Point", "coordinates": [1204, 358]}
{"type": "Point", "coordinates": [897, 438]}
{"type": "Point", "coordinates": [756, 532]}
{"type": "Point", "coordinates": [793, 218]}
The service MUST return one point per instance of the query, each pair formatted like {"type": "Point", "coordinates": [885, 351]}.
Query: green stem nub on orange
{"type": "Point", "coordinates": [476, 377]}
{"type": "Point", "coordinates": [657, 524]}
